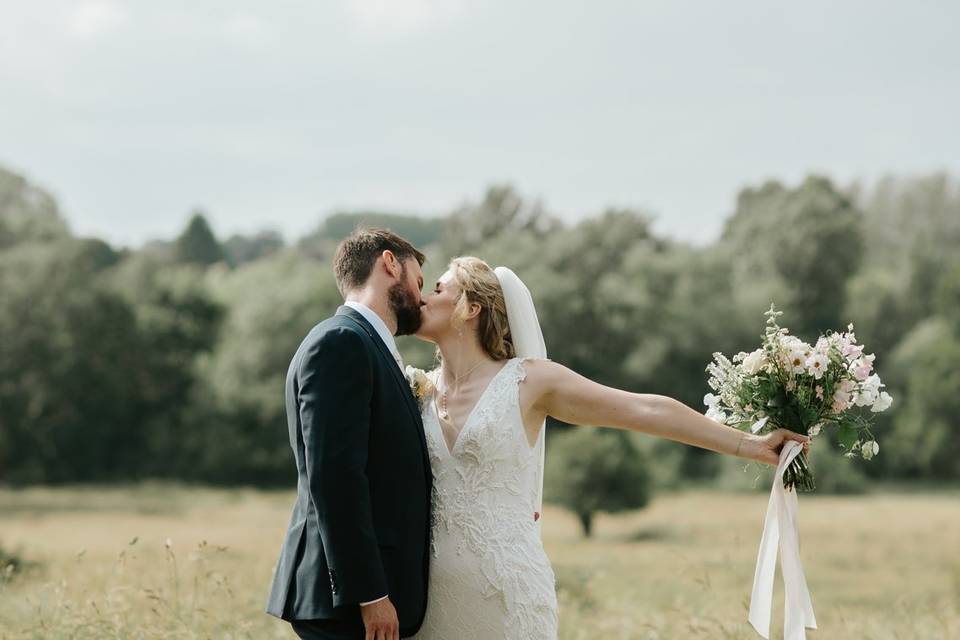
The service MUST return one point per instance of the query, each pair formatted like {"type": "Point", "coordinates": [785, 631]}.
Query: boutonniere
{"type": "Point", "coordinates": [420, 384]}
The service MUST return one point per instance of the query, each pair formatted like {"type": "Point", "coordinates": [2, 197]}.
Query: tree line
{"type": "Point", "coordinates": [168, 360]}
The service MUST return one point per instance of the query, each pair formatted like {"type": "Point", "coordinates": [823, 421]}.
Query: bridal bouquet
{"type": "Point", "coordinates": [791, 384]}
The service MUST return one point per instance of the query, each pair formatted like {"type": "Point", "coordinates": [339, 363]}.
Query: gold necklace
{"type": "Point", "coordinates": [444, 414]}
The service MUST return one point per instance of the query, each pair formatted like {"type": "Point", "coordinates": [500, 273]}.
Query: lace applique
{"type": "Point", "coordinates": [484, 495]}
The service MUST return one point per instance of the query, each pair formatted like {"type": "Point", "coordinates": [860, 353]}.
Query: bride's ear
{"type": "Point", "coordinates": [473, 310]}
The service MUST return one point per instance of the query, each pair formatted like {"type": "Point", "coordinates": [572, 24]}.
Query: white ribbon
{"type": "Point", "coordinates": [780, 529]}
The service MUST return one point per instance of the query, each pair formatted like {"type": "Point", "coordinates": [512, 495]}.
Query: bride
{"type": "Point", "coordinates": [484, 420]}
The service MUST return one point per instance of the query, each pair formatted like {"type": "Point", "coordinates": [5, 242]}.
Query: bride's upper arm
{"type": "Point", "coordinates": [572, 398]}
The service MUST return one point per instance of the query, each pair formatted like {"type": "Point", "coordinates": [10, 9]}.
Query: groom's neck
{"type": "Point", "coordinates": [376, 301]}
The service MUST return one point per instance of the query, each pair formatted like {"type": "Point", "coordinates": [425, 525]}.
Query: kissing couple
{"type": "Point", "coordinates": [419, 500]}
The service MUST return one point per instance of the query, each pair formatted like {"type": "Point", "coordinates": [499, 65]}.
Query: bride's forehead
{"type": "Point", "coordinates": [447, 278]}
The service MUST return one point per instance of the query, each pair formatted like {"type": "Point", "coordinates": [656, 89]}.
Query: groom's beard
{"type": "Point", "coordinates": [406, 308]}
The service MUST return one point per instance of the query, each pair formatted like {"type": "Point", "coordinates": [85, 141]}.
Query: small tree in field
{"type": "Point", "coordinates": [591, 470]}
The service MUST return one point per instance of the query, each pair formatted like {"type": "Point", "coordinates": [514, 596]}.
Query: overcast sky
{"type": "Point", "coordinates": [274, 114]}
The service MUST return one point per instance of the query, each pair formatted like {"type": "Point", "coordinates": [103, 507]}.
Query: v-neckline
{"type": "Point", "coordinates": [466, 423]}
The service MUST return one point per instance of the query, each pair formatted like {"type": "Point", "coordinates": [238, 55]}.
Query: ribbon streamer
{"type": "Point", "coordinates": [780, 530]}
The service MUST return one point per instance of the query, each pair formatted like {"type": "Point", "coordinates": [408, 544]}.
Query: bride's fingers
{"type": "Point", "coordinates": [792, 435]}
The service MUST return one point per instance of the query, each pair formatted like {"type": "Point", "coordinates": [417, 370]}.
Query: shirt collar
{"type": "Point", "coordinates": [377, 323]}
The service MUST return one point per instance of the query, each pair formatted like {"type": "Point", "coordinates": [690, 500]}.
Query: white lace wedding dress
{"type": "Point", "coordinates": [490, 578]}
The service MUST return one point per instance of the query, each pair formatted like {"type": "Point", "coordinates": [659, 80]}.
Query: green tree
{"type": "Point", "coordinates": [27, 212]}
{"type": "Point", "coordinates": [947, 296]}
{"type": "Point", "coordinates": [244, 417]}
{"type": "Point", "coordinates": [925, 383]}
{"type": "Point", "coordinates": [240, 249]}
{"type": "Point", "coordinates": [908, 215]}
{"type": "Point", "coordinates": [320, 243]}
{"type": "Point", "coordinates": [197, 244]}
{"type": "Point", "coordinates": [502, 211]}
{"type": "Point", "coordinates": [70, 400]}
{"type": "Point", "coordinates": [179, 322]}
{"type": "Point", "coordinates": [596, 470]}
{"type": "Point", "coordinates": [808, 240]}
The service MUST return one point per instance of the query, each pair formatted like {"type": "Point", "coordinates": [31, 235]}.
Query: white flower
{"type": "Point", "coordinates": [420, 384]}
{"type": "Point", "coordinates": [711, 400]}
{"type": "Point", "coordinates": [815, 429]}
{"type": "Point", "coordinates": [817, 364]}
{"type": "Point", "coordinates": [869, 449]}
{"type": "Point", "coordinates": [797, 361]}
{"type": "Point", "coordinates": [823, 345]}
{"type": "Point", "coordinates": [869, 391]}
{"type": "Point", "coordinates": [754, 362]}
{"type": "Point", "coordinates": [882, 403]}
{"type": "Point", "coordinates": [715, 414]}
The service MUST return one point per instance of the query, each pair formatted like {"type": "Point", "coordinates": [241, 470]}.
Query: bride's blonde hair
{"type": "Point", "coordinates": [478, 283]}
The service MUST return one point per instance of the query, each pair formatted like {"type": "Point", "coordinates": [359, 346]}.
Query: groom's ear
{"type": "Point", "coordinates": [392, 265]}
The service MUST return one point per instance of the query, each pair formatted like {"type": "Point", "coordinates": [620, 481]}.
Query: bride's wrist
{"type": "Point", "coordinates": [745, 446]}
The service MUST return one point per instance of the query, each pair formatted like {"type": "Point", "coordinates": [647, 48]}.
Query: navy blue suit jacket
{"type": "Point", "coordinates": [360, 527]}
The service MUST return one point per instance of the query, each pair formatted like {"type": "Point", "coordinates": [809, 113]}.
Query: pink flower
{"type": "Point", "coordinates": [852, 351]}
{"type": "Point", "coordinates": [819, 391]}
{"type": "Point", "coordinates": [791, 384]}
{"type": "Point", "coordinates": [862, 367]}
{"type": "Point", "coordinates": [843, 396]}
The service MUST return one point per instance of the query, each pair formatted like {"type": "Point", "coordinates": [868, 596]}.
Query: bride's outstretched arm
{"type": "Point", "coordinates": [569, 397]}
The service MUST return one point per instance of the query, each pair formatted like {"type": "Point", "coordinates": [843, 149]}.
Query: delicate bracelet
{"type": "Point", "coordinates": [743, 437]}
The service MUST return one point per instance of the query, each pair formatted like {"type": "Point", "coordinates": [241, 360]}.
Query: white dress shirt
{"type": "Point", "coordinates": [381, 328]}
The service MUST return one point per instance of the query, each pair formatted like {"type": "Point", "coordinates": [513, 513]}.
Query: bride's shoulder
{"type": "Point", "coordinates": [543, 375]}
{"type": "Point", "coordinates": [534, 370]}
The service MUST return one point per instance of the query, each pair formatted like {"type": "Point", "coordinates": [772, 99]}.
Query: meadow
{"type": "Point", "coordinates": [155, 561]}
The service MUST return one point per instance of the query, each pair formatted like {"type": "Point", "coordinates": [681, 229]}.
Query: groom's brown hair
{"type": "Point", "coordinates": [357, 253]}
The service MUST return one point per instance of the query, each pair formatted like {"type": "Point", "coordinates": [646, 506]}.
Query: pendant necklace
{"type": "Point", "coordinates": [444, 414]}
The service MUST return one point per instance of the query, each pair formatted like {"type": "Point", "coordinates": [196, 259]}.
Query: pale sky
{"type": "Point", "coordinates": [273, 114]}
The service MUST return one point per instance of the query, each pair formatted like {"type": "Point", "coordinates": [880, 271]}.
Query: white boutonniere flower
{"type": "Point", "coordinates": [420, 384]}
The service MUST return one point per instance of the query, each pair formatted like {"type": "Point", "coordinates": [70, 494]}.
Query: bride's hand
{"type": "Point", "coordinates": [767, 448]}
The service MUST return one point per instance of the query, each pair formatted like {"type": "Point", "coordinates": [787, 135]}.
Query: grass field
{"type": "Point", "coordinates": [171, 562]}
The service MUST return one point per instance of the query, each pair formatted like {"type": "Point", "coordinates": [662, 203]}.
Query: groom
{"type": "Point", "coordinates": [355, 559]}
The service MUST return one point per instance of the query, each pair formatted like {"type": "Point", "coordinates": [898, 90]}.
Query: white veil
{"type": "Point", "coordinates": [528, 343]}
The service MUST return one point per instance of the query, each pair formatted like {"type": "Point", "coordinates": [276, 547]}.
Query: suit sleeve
{"type": "Point", "coordinates": [336, 385]}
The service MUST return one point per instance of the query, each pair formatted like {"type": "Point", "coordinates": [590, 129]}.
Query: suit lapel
{"type": "Point", "coordinates": [398, 375]}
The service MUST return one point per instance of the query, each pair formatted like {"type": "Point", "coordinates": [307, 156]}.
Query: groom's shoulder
{"type": "Point", "coordinates": [338, 330]}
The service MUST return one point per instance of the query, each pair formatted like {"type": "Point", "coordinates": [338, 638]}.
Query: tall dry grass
{"type": "Point", "coordinates": [171, 562]}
